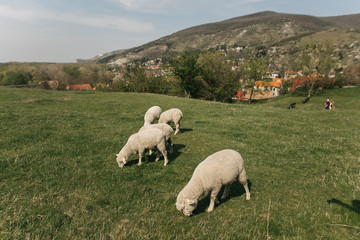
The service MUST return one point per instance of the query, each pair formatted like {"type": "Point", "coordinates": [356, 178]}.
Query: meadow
{"type": "Point", "coordinates": [59, 178]}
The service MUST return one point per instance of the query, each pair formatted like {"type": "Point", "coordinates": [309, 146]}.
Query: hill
{"type": "Point", "coordinates": [259, 29]}
{"type": "Point", "coordinates": [60, 180]}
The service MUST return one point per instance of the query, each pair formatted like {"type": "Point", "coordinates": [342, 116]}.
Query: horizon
{"type": "Point", "coordinates": [61, 32]}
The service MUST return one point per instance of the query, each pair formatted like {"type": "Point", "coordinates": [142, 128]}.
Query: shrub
{"type": "Point", "coordinates": [16, 78]}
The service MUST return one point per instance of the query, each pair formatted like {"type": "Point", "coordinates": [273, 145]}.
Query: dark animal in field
{"type": "Point", "coordinates": [306, 100]}
{"type": "Point", "coordinates": [291, 105]}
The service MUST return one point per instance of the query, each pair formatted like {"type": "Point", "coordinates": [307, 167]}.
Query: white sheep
{"type": "Point", "coordinates": [139, 142]}
{"type": "Point", "coordinates": [151, 115]}
{"type": "Point", "coordinates": [220, 168]}
{"type": "Point", "coordinates": [172, 115]}
{"type": "Point", "coordinates": [167, 129]}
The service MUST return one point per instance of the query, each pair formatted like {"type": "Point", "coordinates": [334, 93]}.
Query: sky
{"type": "Point", "coordinates": [65, 30]}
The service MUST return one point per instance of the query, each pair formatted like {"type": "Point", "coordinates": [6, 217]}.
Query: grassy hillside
{"type": "Point", "coordinates": [338, 37]}
{"type": "Point", "coordinates": [59, 178]}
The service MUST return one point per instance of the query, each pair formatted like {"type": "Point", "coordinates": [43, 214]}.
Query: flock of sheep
{"type": "Point", "coordinates": [218, 169]}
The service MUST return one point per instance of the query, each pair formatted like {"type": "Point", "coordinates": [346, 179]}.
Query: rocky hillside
{"type": "Point", "coordinates": [268, 29]}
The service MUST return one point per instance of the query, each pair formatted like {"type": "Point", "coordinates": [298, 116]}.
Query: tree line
{"type": "Point", "coordinates": [63, 74]}
{"type": "Point", "coordinates": [208, 75]}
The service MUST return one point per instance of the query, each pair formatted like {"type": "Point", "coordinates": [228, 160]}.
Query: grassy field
{"type": "Point", "coordinates": [59, 178]}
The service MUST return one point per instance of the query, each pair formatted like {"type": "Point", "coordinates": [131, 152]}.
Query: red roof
{"type": "Point", "coordinates": [79, 87]}
{"type": "Point", "coordinates": [240, 95]}
{"type": "Point", "coordinates": [276, 82]}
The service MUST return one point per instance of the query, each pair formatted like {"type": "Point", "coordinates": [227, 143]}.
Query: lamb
{"type": "Point", "coordinates": [172, 115]}
{"type": "Point", "coordinates": [168, 130]}
{"type": "Point", "coordinates": [151, 115]}
{"type": "Point", "coordinates": [139, 142]}
{"type": "Point", "coordinates": [220, 168]}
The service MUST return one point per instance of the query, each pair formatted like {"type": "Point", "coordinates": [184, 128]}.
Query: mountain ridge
{"type": "Point", "coordinates": [266, 28]}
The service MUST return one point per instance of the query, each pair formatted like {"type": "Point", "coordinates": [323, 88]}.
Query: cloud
{"type": "Point", "coordinates": [22, 15]}
{"type": "Point", "coordinates": [118, 23]}
{"type": "Point", "coordinates": [112, 22]}
{"type": "Point", "coordinates": [144, 4]}
{"type": "Point", "coordinates": [130, 3]}
{"type": "Point", "coordinates": [242, 2]}
{"type": "Point", "coordinates": [185, 7]}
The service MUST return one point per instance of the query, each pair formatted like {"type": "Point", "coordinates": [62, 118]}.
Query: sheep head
{"type": "Point", "coordinates": [188, 207]}
{"type": "Point", "coordinates": [121, 160]}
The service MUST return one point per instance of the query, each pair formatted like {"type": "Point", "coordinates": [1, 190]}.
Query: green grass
{"type": "Point", "coordinates": [59, 178]}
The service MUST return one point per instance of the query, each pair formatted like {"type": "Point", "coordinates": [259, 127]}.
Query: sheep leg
{"type": "Point", "coordinates": [213, 198]}
{"type": "Point", "coordinates": [226, 191]}
{"type": "Point", "coordinates": [244, 182]}
{"type": "Point", "coordinates": [158, 155]}
{"type": "Point", "coordinates": [166, 160]}
{"type": "Point", "coordinates": [139, 163]}
{"type": "Point", "coordinates": [171, 149]}
{"type": "Point", "coordinates": [141, 153]}
{"type": "Point", "coordinates": [161, 147]}
{"type": "Point", "coordinates": [177, 125]}
{"type": "Point", "coordinates": [164, 153]}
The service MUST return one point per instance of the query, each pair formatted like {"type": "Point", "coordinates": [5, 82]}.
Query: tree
{"type": "Point", "coordinates": [156, 84]}
{"type": "Point", "coordinates": [95, 73]}
{"type": "Point", "coordinates": [316, 59]}
{"type": "Point", "coordinates": [17, 74]}
{"type": "Point", "coordinates": [219, 81]}
{"type": "Point", "coordinates": [252, 71]}
{"type": "Point", "coordinates": [72, 73]}
{"type": "Point", "coordinates": [52, 72]}
{"type": "Point", "coordinates": [352, 75]}
{"type": "Point", "coordinates": [135, 78]}
{"type": "Point", "coordinates": [16, 78]}
{"type": "Point", "coordinates": [186, 69]}
{"type": "Point", "coordinates": [261, 51]}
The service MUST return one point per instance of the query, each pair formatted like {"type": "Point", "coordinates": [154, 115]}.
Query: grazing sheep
{"type": "Point", "coordinates": [139, 142]}
{"type": "Point", "coordinates": [167, 129]}
{"type": "Point", "coordinates": [151, 115]}
{"type": "Point", "coordinates": [220, 168]}
{"type": "Point", "coordinates": [172, 115]}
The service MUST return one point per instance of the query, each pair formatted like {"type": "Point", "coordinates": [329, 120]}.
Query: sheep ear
{"type": "Point", "coordinates": [117, 155]}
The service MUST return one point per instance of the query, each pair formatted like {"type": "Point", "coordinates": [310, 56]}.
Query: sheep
{"type": "Point", "coordinates": [168, 130]}
{"type": "Point", "coordinates": [220, 168]}
{"type": "Point", "coordinates": [151, 115]}
{"type": "Point", "coordinates": [139, 142]}
{"type": "Point", "coordinates": [172, 115]}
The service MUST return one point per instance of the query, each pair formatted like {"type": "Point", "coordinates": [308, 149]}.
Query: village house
{"type": "Point", "coordinates": [268, 89]}
{"type": "Point", "coordinates": [263, 90]}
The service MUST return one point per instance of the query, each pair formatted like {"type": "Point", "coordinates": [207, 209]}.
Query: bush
{"type": "Point", "coordinates": [352, 75]}
{"type": "Point", "coordinates": [155, 84]}
{"type": "Point", "coordinates": [285, 88]}
{"type": "Point", "coordinates": [44, 85]}
{"type": "Point", "coordinates": [120, 86]}
{"type": "Point", "coordinates": [16, 78]}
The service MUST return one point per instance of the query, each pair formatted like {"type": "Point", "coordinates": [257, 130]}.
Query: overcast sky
{"type": "Point", "coordinates": [66, 30]}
